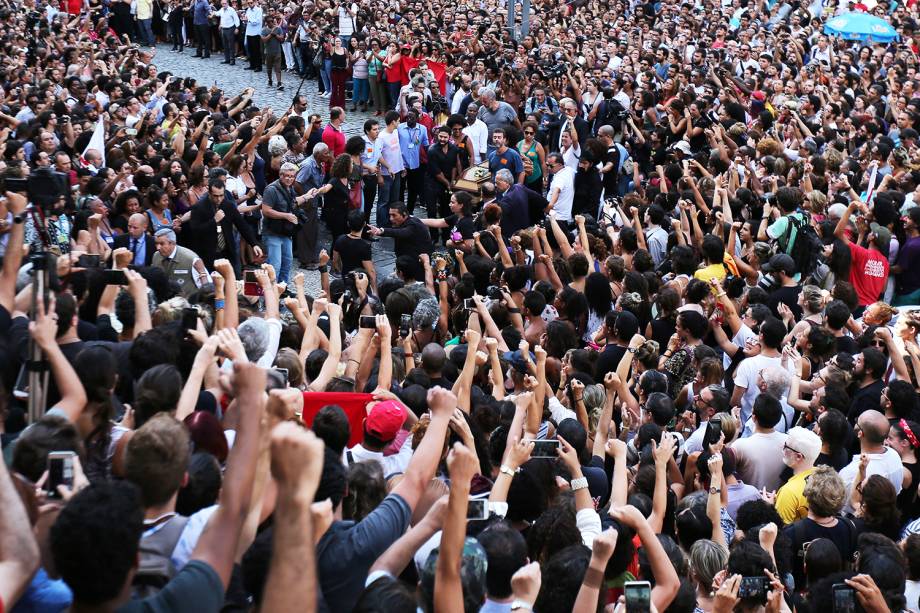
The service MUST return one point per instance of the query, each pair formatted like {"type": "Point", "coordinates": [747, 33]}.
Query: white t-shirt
{"type": "Point", "coordinates": [746, 377]}
{"type": "Point", "coordinates": [564, 181]}
{"type": "Point", "coordinates": [391, 465]}
{"type": "Point", "coordinates": [760, 459]}
{"type": "Point", "coordinates": [887, 464]}
{"type": "Point", "coordinates": [346, 19]}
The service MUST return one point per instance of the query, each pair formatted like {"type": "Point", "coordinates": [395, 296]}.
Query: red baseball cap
{"type": "Point", "coordinates": [385, 420]}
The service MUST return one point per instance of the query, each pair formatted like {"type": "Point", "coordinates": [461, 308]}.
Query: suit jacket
{"type": "Point", "coordinates": [200, 233]}
{"type": "Point", "coordinates": [582, 128]}
{"type": "Point", "coordinates": [519, 204]}
{"type": "Point", "coordinates": [124, 240]}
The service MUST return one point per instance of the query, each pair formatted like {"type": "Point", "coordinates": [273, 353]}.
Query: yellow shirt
{"type": "Point", "coordinates": [713, 270]}
{"type": "Point", "coordinates": [790, 499]}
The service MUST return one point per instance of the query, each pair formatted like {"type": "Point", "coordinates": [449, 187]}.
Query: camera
{"type": "Point", "coordinates": [43, 186]}
{"type": "Point", "coordinates": [494, 292]}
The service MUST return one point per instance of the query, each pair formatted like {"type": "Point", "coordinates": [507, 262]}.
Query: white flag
{"type": "Point", "coordinates": [97, 142]}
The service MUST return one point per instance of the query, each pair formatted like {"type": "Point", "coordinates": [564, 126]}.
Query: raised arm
{"type": "Point", "coordinates": [448, 590]}
{"type": "Point", "coordinates": [217, 544]}
{"type": "Point", "coordinates": [15, 204]}
{"type": "Point", "coordinates": [44, 332]}
{"type": "Point", "coordinates": [297, 465]}
{"type": "Point", "coordinates": [331, 365]}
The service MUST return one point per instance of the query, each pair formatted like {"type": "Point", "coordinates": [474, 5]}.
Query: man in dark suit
{"type": "Point", "coordinates": [209, 231]}
{"type": "Point", "coordinates": [137, 241]}
{"type": "Point", "coordinates": [569, 117]}
{"type": "Point", "coordinates": [521, 206]}
{"type": "Point", "coordinates": [410, 236]}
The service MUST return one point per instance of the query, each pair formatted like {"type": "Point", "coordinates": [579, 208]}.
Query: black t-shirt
{"type": "Point", "coordinates": [804, 531]}
{"type": "Point", "coordinates": [441, 162]}
{"type": "Point", "coordinates": [835, 460]}
{"type": "Point", "coordinates": [463, 225]}
{"type": "Point", "coordinates": [353, 252]}
{"type": "Point", "coordinates": [788, 296]}
{"type": "Point", "coordinates": [847, 344]}
{"type": "Point", "coordinates": [864, 399]}
{"type": "Point", "coordinates": [608, 361]}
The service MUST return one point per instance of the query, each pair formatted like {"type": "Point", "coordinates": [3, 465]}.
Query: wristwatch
{"type": "Point", "coordinates": [521, 605]}
{"type": "Point", "coordinates": [508, 470]}
{"type": "Point", "coordinates": [715, 490]}
{"type": "Point", "coordinates": [578, 484]}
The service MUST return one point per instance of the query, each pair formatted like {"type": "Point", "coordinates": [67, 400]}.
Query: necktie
{"type": "Point", "coordinates": [134, 251]}
{"type": "Point", "coordinates": [221, 241]}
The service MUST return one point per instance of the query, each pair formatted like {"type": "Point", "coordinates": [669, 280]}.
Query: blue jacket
{"type": "Point", "coordinates": [202, 12]}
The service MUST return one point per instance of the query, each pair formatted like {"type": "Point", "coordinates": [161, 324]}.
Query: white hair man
{"type": "Point", "coordinates": [775, 381]}
{"type": "Point", "coordinates": [181, 265]}
{"type": "Point", "coordinates": [800, 451]}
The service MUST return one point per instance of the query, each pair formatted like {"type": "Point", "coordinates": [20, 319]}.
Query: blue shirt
{"type": "Point", "coordinates": [411, 140]}
{"type": "Point", "coordinates": [139, 247]}
{"type": "Point", "coordinates": [202, 12]}
{"type": "Point", "coordinates": [311, 174]}
{"type": "Point", "coordinates": [510, 159]}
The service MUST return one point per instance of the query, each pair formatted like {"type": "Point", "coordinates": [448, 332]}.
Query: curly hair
{"type": "Point", "coordinates": [341, 166]}
{"type": "Point", "coordinates": [825, 492]}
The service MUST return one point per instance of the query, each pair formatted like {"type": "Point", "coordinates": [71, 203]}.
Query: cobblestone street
{"type": "Point", "coordinates": [233, 79]}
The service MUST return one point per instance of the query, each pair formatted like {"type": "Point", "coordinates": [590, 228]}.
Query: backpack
{"type": "Point", "coordinates": [625, 162]}
{"type": "Point", "coordinates": [805, 249]}
{"type": "Point", "coordinates": [156, 567]}
{"type": "Point", "coordinates": [609, 115]}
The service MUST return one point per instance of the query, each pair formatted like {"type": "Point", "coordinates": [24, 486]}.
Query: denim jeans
{"type": "Point", "coordinates": [387, 193]}
{"type": "Point", "coordinates": [326, 75]}
{"type": "Point", "coordinates": [280, 254]}
{"type": "Point", "coordinates": [145, 26]}
{"type": "Point", "coordinates": [361, 91]}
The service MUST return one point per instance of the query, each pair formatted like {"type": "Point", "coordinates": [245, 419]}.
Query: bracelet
{"type": "Point", "coordinates": [354, 360]}
{"type": "Point", "coordinates": [720, 294]}
{"type": "Point", "coordinates": [219, 304]}
{"type": "Point", "coordinates": [514, 310]}
{"type": "Point", "coordinates": [507, 470]}
{"type": "Point", "coordinates": [631, 349]}
{"type": "Point", "coordinates": [579, 399]}
{"type": "Point", "coordinates": [409, 355]}
{"type": "Point", "coordinates": [324, 269]}
{"type": "Point", "coordinates": [578, 484]}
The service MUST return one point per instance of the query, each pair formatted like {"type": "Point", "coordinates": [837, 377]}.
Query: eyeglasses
{"type": "Point", "coordinates": [528, 132]}
{"type": "Point", "coordinates": [788, 448]}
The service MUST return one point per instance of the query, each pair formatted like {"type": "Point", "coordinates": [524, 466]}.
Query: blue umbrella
{"type": "Point", "coordinates": [861, 26]}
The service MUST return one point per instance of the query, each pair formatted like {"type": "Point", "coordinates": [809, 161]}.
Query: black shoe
{"type": "Point", "coordinates": [270, 84]}
{"type": "Point", "coordinates": [233, 62]}
{"type": "Point", "coordinates": [224, 62]}
{"type": "Point", "coordinates": [197, 55]}
{"type": "Point", "coordinates": [280, 87]}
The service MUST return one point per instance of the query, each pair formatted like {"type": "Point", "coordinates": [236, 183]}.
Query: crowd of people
{"type": "Point", "coordinates": [657, 351]}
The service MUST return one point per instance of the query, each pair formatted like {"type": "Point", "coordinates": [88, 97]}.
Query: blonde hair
{"type": "Point", "coordinates": [825, 492]}
{"type": "Point", "coordinates": [814, 298]}
{"type": "Point", "coordinates": [729, 425]}
{"type": "Point", "coordinates": [817, 202]}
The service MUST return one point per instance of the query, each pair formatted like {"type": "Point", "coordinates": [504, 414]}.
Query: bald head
{"type": "Point", "coordinates": [433, 358]}
{"type": "Point", "coordinates": [137, 225]}
{"type": "Point", "coordinates": [874, 427]}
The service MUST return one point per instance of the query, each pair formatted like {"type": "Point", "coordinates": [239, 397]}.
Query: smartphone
{"type": "Point", "coordinates": [638, 596]}
{"type": "Point", "coordinates": [754, 588]}
{"type": "Point", "coordinates": [544, 448]}
{"type": "Point", "coordinates": [477, 509]}
{"type": "Point", "coordinates": [284, 374]}
{"type": "Point", "coordinates": [469, 304]}
{"type": "Point", "coordinates": [844, 598]}
{"type": "Point", "coordinates": [60, 472]}
{"type": "Point", "coordinates": [114, 277]}
{"type": "Point", "coordinates": [251, 285]}
{"type": "Point", "coordinates": [130, 131]}
{"type": "Point", "coordinates": [89, 261]}
{"type": "Point", "coordinates": [405, 325]}
{"type": "Point", "coordinates": [713, 432]}
{"type": "Point", "coordinates": [189, 318]}
{"type": "Point", "coordinates": [367, 321]}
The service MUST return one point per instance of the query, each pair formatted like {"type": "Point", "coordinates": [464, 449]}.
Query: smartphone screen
{"type": "Point", "coordinates": [477, 508]}
{"type": "Point", "coordinates": [754, 588]}
{"type": "Point", "coordinates": [367, 321]}
{"type": "Point", "coordinates": [60, 471]}
{"type": "Point", "coordinates": [713, 432]}
{"type": "Point", "coordinates": [545, 448]}
{"type": "Point", "coordinates": [469, 303]}
{"type": "Point", "coordinates": [638, 596]}
{"type": "Point", "coordinates": [844, 598]}
{"type": "Point", "coordinates": [251, 285]}
{"type": "Point", "coordinates": [405, 325]}
{"type": "Point", "coordinates": [189, 318]}
{"type": "Point", "coordinates": [115, 277]}
{"type": "Point", "coordinates": [89, 261]}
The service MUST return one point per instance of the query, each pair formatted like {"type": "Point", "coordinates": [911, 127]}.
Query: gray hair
{"type": "Point", "coordinates": [167, 233]}
{"type": "Point", "coordinates": [277, 145]}
{"type": "Point", "coordinates": [426, 314]}
{"type": "Point", "coordinates": [777, 381]}
{"type": "Point", "coordinates": [254, 336]}
{"type": "Point", "coordinates": [487, 93]}
{"type": "Point", "coordinates": [288, 167]}
{"type": "Point", "coordinates": [320, 148]}
{"type": "Point", "coordinates": [505, 175]}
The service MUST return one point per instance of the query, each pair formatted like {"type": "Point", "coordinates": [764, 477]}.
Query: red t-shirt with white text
{"type": "Point", "coordinates": [868, 273]}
